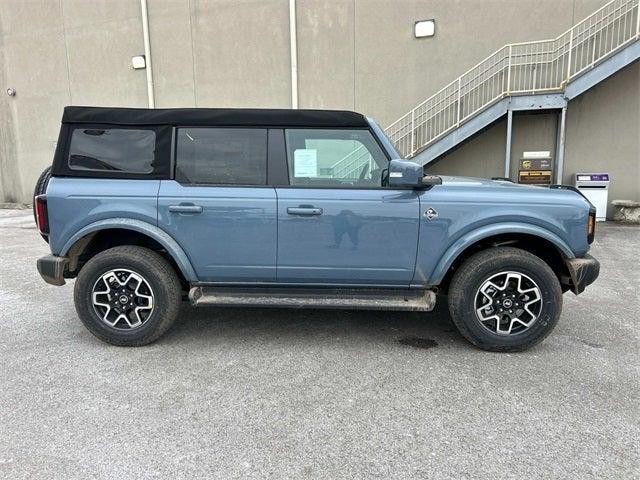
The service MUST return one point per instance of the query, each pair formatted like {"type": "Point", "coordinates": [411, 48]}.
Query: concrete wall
{"type": "Point", "coordinates": [57, 53]}
{"type": "Point", "coordinates": [481, 156]}
{"type": "Point", "coordinates": [484, 155]}
{"type": "Point", "coordinates": [353, 54]}
{"type": "Point", "coordinates": [603, 133]}
{"type": "Point", "coordinates": [326, 54]}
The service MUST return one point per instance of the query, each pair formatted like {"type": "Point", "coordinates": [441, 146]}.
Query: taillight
{"type": "Point", "coordinates": [42, 217]}
{"type": "Point", "coordinates": [591, 225]}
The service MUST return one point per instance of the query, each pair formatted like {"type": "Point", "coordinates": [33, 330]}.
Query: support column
{"type": "Point", "coordinates": [507, 155]}
{"type": "Point", "coordinates": [560, 139]}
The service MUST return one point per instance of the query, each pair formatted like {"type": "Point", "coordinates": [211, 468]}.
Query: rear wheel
{"type": "Point", "coordinates": [127, 295]}
{"type": "Point", "coordinates": [505, 299]}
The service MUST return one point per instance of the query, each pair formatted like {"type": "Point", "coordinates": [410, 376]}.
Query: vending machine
{"type": "Point", "coordinates": [595, 187]}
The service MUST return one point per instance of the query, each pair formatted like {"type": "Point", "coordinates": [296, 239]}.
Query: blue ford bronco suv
{"type": "Point", "coordinates": [295, 208]}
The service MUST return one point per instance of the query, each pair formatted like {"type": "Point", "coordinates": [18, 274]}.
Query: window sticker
{"type": "Point", "coordinates": [305, 163]}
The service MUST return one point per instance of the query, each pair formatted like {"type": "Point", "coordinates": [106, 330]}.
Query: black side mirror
{"type": "Point", "coordinates": [430, 180]}
{"type": "Point", "coordinates": [408, 174]}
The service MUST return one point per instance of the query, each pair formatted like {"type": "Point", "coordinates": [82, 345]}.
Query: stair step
{"type": "Point", "coordinates": [354, 298]}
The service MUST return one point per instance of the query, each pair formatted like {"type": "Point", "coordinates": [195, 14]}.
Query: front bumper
{"type": "Point", "coordinates": [583, 272]}
{"type": "Point", "coordinates": [51, 269]}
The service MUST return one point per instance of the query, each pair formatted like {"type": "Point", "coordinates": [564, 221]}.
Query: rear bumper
{"type": "Point", "coordinates": [583, 272]}
{"type": "Point", "coordinates": [51, 269]}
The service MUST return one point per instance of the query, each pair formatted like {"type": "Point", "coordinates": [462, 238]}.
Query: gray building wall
{"type": "Point", "coordinates": [603, 133]}
{"type": "Point", "coordinates": [353, 54]}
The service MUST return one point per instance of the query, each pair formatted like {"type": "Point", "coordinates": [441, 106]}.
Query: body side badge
{"type": "Point", "coordinates": [431, 213]}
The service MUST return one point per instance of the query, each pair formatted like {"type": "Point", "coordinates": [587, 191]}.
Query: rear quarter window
{"type": "Point", "coordinates": [116, 150]}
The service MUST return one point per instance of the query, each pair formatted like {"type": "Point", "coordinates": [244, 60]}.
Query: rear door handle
{"type": "Point", "coordinates": [304, 210]}
{"type": "Point", "coordinates": [185, 208]}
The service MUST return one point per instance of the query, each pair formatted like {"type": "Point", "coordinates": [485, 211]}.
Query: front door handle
{"type": "Point", "coordinates": [304, 210]}
{"type": "Point", "coordinates": [185, 208]}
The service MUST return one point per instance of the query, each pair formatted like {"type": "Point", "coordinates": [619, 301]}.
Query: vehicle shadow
{"type": "Point", "coordinates": [279, 325]}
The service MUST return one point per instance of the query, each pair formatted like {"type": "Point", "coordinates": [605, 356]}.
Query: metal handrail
{"type": "Point", "coordinates": [353, 169]}
{"type": "Point", "coordinates": [539, 66]}
{"type": "Point", "coordinates": [349, 162]}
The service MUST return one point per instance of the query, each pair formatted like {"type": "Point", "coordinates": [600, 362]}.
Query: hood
{"type": "Point", "coordinates": [480, 182]}
{"type": "Point", "coordinates": [509, 191]}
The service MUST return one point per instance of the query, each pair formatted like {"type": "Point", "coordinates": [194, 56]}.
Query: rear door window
{"type": "Point", "coordinates": [222, 156]}
{"type": "Point", "coordinates": [117, 150]}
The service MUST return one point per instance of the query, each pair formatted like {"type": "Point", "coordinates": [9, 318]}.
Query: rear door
{"type": "Point", "coordinates": [219, 207]}
{"type": "Point", "coordinates": [337, 225]}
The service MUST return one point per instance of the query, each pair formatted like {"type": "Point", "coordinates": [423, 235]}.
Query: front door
{"type": "Point", "coordinates": [219, 208]}
{"type": "Point", "coordinates": [336, 224]}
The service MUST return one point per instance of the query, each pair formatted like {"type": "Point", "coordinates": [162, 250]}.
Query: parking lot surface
{"type": "Point", "coordinates": [259, 393]}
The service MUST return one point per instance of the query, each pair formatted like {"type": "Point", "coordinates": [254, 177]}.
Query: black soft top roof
{"type": "Point", "coordinates": [214, 117]}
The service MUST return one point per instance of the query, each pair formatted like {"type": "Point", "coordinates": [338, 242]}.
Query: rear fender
{"type": "Point", "coordinates": [162, 237]}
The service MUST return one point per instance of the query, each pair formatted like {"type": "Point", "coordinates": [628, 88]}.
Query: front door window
{"type": "Point", "coordinates": [334, 158]}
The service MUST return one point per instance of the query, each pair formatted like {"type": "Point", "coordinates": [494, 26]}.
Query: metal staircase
{"type": "Point", "coordinates": [521, 76]}
{"type": "Point", "coordinates": [351, 165]}
{"type": "Point", "coordinates": [545, 74]}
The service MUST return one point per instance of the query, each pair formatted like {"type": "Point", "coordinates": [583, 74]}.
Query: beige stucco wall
{"type": "Point", "coordinates": [354, 54]}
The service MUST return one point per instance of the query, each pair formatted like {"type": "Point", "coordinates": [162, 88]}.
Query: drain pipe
{"type": "Point", "coordinates": [293, 48]}
{"type": "Point", "coordinates": [147, 52]}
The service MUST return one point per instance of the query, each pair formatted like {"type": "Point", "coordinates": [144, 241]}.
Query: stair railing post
{"type": "Point", "coordinates": [413, 130]}
{"type": "Point", "coordinates": [534, 68]}
{"type": "Point", "coordinates": [508, 90]}
{"type": "Point", "coordinates": [459, 100]}
{"type": "Point", "coordinates": [570, 53]}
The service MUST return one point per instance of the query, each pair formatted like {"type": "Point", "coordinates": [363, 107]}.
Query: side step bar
{"type": "Point", "coordinates": [354, 298]}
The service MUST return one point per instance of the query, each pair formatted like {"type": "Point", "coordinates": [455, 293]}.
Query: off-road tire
{"type": "Point", "coordinates": [482, 266]}
{"type": "Point", "coordinates": [158, 273]}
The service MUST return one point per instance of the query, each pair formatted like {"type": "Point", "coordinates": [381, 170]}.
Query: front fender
{"type": "Point", "coordinates": [162, 237]}
{"type": "Point", "coordinates": [449, 256]}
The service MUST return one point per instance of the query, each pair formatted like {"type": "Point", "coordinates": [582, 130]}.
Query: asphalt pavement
{"type": "Point", "coordinates": [261, 393]}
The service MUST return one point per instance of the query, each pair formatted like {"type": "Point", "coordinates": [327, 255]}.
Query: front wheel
{"type": "Point", "coordinates": [127, 295]}
{"type": "Point", "coordinates": [505, 299]}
